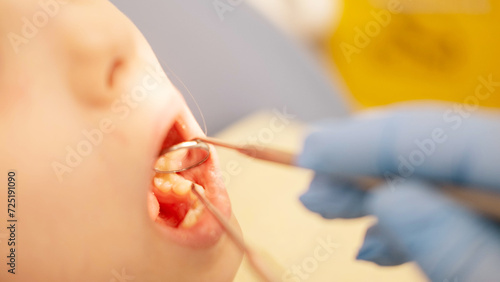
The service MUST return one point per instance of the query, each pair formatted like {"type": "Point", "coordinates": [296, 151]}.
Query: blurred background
{"type": "Point", "coordinates": [319, 58]}
{"type": "Point", "coordinates": [243, 61]}
{"type": "Point", "coordinates": [234, 60]}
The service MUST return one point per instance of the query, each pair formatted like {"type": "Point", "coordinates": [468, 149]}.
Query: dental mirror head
{"type": "Point", "coordinates": [182, 156]}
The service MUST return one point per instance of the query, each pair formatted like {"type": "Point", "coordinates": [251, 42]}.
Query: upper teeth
{"type": "Point", "coordinates": [171, 181]}
{"type": "Point", "coordinates": [182, 186]}
{"type": "Point", "coordinates": [171, 160]}
{"type": "Point", "coordinates": [158, 181]}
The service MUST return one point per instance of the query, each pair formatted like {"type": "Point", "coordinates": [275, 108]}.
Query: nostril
{"type": "Point", "coordinates": [114, 72]}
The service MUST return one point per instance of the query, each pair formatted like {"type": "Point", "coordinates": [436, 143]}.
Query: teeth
{"type": "Point", "coordinates": [178, 184]}
{"type": "Point", "coordinates": [158, 182]}
{"type": "Point", "coordinates": [174, 182]}
{"type": "Point", "coordinates": [173, 159]}
{"type": "Point", "coordinates": [200, 190]}
{"type": "Point", "coordinates": [194, 213]}
{"type": "Point", "coordinates": [182, 186]}
{"type": "Point", "coordinates": [192, 216]}
{"type": "Point", "coordinates": [160, 162]}
{"type": "Point", "coordinates": [171, 181]}
{"type": "Point", "coordinates": [164, 184]}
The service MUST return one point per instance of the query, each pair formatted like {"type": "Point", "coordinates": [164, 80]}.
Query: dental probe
{"type": "Point", "coordinates": [255, 261]}
{"type": "Point", "coordinates": [479, 200]}
{"type": "Point", "coordinates": [261, 153]}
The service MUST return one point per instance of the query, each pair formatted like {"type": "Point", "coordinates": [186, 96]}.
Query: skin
{"type": "Point", "coordinates": [89, 222]}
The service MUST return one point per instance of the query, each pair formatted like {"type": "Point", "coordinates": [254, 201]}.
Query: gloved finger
{"type": "Point", "coordinates": [334, 199]}
{"type": "Point", "coordinates": [382, 248]}
{"type": "Point", "coordinates": [436, 144]}
{"type": "Point", "coordinates": [444, 238]}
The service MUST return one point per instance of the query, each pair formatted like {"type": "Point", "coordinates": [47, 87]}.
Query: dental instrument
{"type": "Point", "coordinates": [186, 155]}
{"type": "Point", "coordinates": [256, 261]}
{"type": "Point", "coordinates": [196, 152]}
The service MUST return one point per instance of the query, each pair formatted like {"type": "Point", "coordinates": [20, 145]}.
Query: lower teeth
{"type": "Point", "coordinates": [192, 216]}
{"type": "Point", "coordinates": [194, 212]}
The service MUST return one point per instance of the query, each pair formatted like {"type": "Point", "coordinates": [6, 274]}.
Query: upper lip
{"type": "Point", "coordinates": [207, 231]}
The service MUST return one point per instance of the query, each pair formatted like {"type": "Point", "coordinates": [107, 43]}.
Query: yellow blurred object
{"type": "Point", "coordinates": [396, 50]}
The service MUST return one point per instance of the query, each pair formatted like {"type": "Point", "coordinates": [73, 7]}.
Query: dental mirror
{"type": "Point", "coordinates": [182, 156]}
{"type": "Point", "coordinates": [189, 154]}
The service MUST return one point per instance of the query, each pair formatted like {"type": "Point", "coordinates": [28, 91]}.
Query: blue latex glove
{"type": "Point", "coordinates": [411, 148]}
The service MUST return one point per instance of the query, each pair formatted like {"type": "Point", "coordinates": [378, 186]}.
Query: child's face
{"type": "Point", "coordinates": [85, 111]}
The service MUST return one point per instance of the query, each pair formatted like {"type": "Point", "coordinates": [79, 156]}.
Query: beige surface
{"type": "Point", "coordinates": [265, 201]}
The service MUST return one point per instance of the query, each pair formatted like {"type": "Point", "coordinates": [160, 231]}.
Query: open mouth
{"type": "Point", "coordinates": [172, 204]}
{"type": "Point", "coordinates": [177, 204]}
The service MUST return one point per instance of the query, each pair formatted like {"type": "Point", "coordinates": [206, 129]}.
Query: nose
{"type": "Point", "coordinates": [98, 49]}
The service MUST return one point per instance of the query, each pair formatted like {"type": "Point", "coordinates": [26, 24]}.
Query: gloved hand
{"type": "Point", "coordinates": [411, 148]}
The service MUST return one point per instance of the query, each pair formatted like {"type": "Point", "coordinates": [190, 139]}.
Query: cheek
{"type": "Point", "coordinates": [127, 153]}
